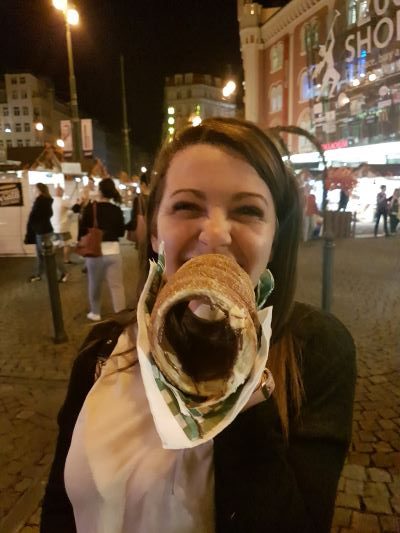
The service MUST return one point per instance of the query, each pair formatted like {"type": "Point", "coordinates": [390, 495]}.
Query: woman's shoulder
{"type": "Point", "coordinates": [323, 338]}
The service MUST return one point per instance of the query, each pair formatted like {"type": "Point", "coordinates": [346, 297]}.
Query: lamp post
{"type": "Point", "coordinates": [71, 17]}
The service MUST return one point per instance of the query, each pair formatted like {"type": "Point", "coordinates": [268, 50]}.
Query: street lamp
{"type": "Point", "coordinates": [229, 89]}
{"type": "Point", "coordinates": [71, 17]}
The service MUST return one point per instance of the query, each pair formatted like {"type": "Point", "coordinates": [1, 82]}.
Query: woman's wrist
{"type": "Point", "coordinates": [263, 391]}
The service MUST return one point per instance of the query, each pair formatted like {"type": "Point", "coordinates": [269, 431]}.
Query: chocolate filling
{"type": "Point", "coordinates": [206, 350]}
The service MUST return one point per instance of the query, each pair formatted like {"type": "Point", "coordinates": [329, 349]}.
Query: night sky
{"type": "Point", "coordinates": [156, 37]}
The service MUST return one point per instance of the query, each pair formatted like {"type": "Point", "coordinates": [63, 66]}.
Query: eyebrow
{"type": "Point", "coordinates": [238, 196]}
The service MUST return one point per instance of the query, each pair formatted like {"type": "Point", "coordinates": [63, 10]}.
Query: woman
{"type": "Point", "coordinates": [220, 188]}
{"type": "Point", "coordinates": [394, 210]}
{"type": "Point", "coordinates": [39, 230]}
{"type": "Point", "coordinates": [108, 266]}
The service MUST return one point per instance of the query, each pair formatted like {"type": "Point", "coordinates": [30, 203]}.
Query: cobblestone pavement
{"type": "Point", "coordinates": [34, 370]}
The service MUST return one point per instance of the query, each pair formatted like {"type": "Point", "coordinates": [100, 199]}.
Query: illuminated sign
{"type": "Point", "coordinates": [335, 145]}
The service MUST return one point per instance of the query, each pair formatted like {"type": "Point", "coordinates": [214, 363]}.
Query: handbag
{"type": "Point", "coordinates": [89, 245]}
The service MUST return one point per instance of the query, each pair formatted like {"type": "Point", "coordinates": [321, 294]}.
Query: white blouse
{"type": "Point", "coordinates": [118, 476]}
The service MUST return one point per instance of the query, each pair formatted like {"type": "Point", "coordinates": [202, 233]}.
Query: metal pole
{"type": "Point", "coordinates": [76, 126]}
{"type": "Point", "coordinates": [327, 270]}
{"type": "Point", "coordinates": [51, 273]}
{"type": "Point", "coordinates": [125, 129]}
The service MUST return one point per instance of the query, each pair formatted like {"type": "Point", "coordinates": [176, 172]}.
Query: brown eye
{"type": "Point", "coordinates": [250, 211]}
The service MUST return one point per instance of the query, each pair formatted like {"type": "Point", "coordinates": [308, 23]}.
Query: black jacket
{"type": "Point", "coordinates": [40, 215]}
{"type": "Point", "coordinates": [262, 483]}
{"type": "Point", "coordinates": [109, 218]}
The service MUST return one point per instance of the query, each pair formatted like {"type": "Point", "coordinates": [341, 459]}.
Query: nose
{"type": "Point", "coordinates": [215, 233]}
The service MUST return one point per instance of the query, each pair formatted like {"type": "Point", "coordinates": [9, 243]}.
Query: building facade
{"type": "Point", "coordinates": [331, 67]}
{"type": "Point", "coordinates": [190, 97]}
{"type": "Point", "coordinates": [26, 103]}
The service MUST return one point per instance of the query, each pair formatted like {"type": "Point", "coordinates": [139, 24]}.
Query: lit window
{"type": "Point", "coordinates": [352, 12]}
{"type": "Point", "coordinates": [276, 57]}
{"type": "Point", "coordinates": [276, 99]}
{"type": "Point", "coordinates": [306, 87]}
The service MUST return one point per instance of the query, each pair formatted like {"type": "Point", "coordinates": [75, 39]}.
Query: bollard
{"type": "Point", "coordinates": [54, 292]}
{"type": "Point", "coordinates": [327, 271]}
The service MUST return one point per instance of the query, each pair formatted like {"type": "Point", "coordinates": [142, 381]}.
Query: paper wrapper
{"type": "Point", "coordinates": [181, 422]}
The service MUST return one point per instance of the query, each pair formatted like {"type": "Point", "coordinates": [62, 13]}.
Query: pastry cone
{"type": "Point", "coordinates": [211, 357]}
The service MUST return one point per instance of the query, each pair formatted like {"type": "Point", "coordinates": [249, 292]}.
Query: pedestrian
{"type": "Point", "coordinates": [136, 225]}
{"type": "Point", "coordinates": [61, 222]}
{"type": "Point", "coordinates": [344, 199]}
{"type": "Point", "coordinates": [40, 231]}
{"type": "Point", "coordinates": [219, 192]}
{"type": "Point", "coordinates": [394, 210]}
{"type": "Point", "coordinates": [311, 212]}
{"type": "Point", "coordinates": [381, 211]}
{"type": "Point", "coordinates": [109, 265]}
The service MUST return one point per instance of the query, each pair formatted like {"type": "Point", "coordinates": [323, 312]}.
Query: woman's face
{"type": "Point", "coordinates": [214, 202]}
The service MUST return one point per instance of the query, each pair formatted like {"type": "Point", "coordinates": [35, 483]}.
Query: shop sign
{"type": "Point", "coordinates": [378, 35]}
{"type": "Point", "coordinates": [10, 194]}
{"type": "Point", "coordinates": [335, 145]}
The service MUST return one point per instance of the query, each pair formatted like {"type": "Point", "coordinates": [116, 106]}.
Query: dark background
{"type": "Point", "coordinates": [156, 37]}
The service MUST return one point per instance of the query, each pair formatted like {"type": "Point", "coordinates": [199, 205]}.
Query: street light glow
{"type": "Point", "coordinates": [60, 143]}
{"type": "Point", "coordinates": [229, 89]}
{"type": "Point", "coordinates": [171, 110]}
{"type": "Point", "coordinates": [196, 121]}
{"type": "Point", "coordinates": [60, 4]}
{"type": "Point", "coordinates": [39, 126]}
{"type": "Point", "coordinates": [72, 16]}
{"type": "Point", "coordinates": [171, 120]}
{"type": "Point", "coordinates": [143, 169]}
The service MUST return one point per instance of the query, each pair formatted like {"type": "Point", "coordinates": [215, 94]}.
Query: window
{"type": "Point", "coordinates": [13, 81]}
{"type": "Point", "coordinates": [14, 95]}
{"type": "Point", "coordinates": [24, 94]}
{"type": "Point", "coordinates": [27, 126]}
{"type": "Point", "coordinates": [25, 110]}
{"type": "Point", "coordinates": [27, 142]}
{"type": "Point", "coordinates": [20, 142]}
{"type": "Point", "coordinates": [352, 12]}
{"type": "Point", "coordinates": [189, 78]}
{"type": "Point", "coordinates": [5, 111]}
{"type": "Point", "coordinates": [18, 126]}
{"type": "Point", "coordinates": [22, 79]}
{"type": "Point", "coordinates": [276, 57]}
{"type": "Point", "coordinates": [310, 39]}
{"type": "Point", "coordinates": [306, 87]}
{"type": "Point", "coordinates": [7, 127]}
{"type": "Point", "coordinates": [1, 143]}
{"type": "Point", "coordinates": [276, 98]}
{"type": "Point", "coordinates": [16, 111]}
{"type": "Point", "coordinates": [9, 143]}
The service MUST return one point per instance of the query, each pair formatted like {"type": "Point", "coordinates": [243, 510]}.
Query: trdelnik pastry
{"type": "Point", "coordinates": [204, 329]}
{"type": "Point", "coordinates": [202, 346]}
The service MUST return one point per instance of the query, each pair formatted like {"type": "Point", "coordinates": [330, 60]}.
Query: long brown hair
{"type": "Point", "coordinates": [43, 189]}
{"type": "Point", "coordinates": [259, 149]}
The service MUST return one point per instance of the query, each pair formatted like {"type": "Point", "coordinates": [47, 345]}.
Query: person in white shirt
{"type": "Point", "coordinates": [61, 222]}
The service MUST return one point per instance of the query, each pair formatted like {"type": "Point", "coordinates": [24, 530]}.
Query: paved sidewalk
{"type": "Point", "coordinates": [33, 374]}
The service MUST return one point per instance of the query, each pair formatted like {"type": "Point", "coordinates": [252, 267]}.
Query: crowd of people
{"type": "Point", "coordinates": [50, 222]}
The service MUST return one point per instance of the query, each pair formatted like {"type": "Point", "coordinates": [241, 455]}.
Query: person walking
{"type": "Point", "coordinates": [40, 230]}
{"type": "Point", "coordinates": [381, 211]}
{"type": "Point", "coordinates": [61, 222]}
{"type": "Point", "coordinates": [394, 210]}
{"type": "Point", "coordinates": [310, 213]}
{"type": "Point", "coordinates": [109, 265]}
